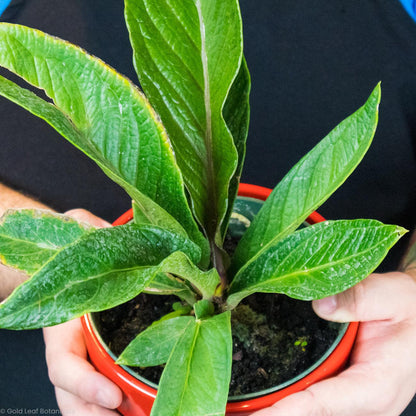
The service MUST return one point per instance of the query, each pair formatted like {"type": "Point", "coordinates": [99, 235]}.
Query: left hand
{"type": "Point", "coordinates": [381, 378]}
{"type": "Point", "coordinates": [80, 389]}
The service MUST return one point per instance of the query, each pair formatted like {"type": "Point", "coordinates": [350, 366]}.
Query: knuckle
{"type": "Point", "coordinates": [357, 299]}
{"type": "Point", "coordinates": [76, 211]}
{"type": "Point", "coordinates": [86, 216]}
{"type": "Point", "coordinates": [403, 289]}
{"type": "Point", "coordinates": [53, 373]}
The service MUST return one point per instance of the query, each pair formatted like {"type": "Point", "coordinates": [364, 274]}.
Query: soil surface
{"type": "Point", "coordinates": [275, 338]}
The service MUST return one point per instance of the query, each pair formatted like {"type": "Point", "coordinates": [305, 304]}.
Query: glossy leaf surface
{"type": "Point", "coordinates": [154, 345]}
{"type": "Point", "coordinates": [317, 261]}
{"type": "Point", "coordinates": [237, 116]}
{"type": "Point", "coordinates": [187, 54]}
{"type": "Point", "coordinates": [196, 378]}
{"type": "Point", "coordinates": [311, 181]}
{"type": "Point", "coordinates": [29, 238]}
{"type": "Point", "coordinates": [104, 115]}
{"type": "Point", "coordinates": [99, 271]}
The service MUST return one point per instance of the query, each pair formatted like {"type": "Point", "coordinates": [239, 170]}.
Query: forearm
{"type": "Point", "coordinates": [10, 199]}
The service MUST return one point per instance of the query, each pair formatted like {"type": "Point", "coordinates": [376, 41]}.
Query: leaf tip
{"type": "Point", "coordinates": [377, 93]}
{"type": "Point", "coordinates": [121, 360]}
{"type": "Point", "coordinates": [401, 231]}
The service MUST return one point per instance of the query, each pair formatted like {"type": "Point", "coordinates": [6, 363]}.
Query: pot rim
{"type": "Point", "coordinates": [329, 364]}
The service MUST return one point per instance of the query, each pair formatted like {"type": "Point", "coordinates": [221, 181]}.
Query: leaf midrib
{"type": "Point", "coordinates": [90, 278]}
{"type": "Point", "coordinates": [314, 205]}
{"type": "Point", "coordinates": [188, 366]}
{"type": "Point", "coordinates": [324, 266]}
{"type": "Point", "coordinates": [33, 243]}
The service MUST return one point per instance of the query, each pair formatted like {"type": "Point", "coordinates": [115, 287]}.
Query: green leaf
{"type": "Point", "coordinates": [187, 54]}
{"type": "Point", "coordinates": [105, 116]}
{"type": "Point", "coordinates": [204, 309]}
{"type": "Point", "coordinates": [196, 379]}
{"type": "Point", "coordinates": [204, 282]}
{"type": "Point", "coordinates": [166, 284]}
{"type": "Point", "coordinates": [29, 238]}
{"type": "Point", "coordinates": [311, 181]}
{"type": "Point", "coordinates": [317, 261]}
{"type": "Point", "coordinates": [102, 269]}
{"type": "Point", "coordinates": [154, 345]}
{"type": "Point", "coordinates": [237, 116]}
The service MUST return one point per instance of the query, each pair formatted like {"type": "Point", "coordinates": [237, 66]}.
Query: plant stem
{"type": "Point", "coordinates": [218, 263]}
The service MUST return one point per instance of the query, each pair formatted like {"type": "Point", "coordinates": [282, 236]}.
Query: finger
{"type": "Point", "coordinates": [86, 216]}
{"type": "Point", "coordinates": [69, 369]}
{"type": "Point", "coordinates": [71, 405]}
{"type": "Point", "coordinates": [356, 392]}
{"type": "Point", "coordinates": [76, 376]}
{"type": "Point", "coordinates": [388, 296]}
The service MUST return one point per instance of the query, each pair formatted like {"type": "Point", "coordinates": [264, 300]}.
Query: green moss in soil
{"type": "Point", "coordinates": [275, 338]}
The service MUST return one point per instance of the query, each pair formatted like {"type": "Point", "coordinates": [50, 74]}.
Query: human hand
{"type": "Point", "coordinates": [381, 378]}
{"type": "Point", "coordinates": [79, 388]}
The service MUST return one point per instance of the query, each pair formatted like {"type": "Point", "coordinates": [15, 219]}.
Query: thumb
{"type": "Point", "coordinates": [379, 297]}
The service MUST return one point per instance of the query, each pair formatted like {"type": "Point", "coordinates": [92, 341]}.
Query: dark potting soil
{"type": "Point", "coordinates": [275, 338]}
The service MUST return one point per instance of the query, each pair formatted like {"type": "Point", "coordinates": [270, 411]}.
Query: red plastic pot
{"type": "Point", "coordinates": [139, 396]}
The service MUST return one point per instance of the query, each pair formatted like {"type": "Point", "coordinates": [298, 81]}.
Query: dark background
{"type": "Point", "coordinates": [312, 62]}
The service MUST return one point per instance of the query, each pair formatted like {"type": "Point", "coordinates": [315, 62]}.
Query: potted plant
{"type": "Point", "coordinates": [178, 152]}
{"type": "Point", "coordinates": [140, 393]}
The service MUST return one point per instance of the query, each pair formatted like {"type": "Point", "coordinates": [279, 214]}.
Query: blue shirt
{"type": "Point", "coordinates": [410, 6]}
{"type": "Point", "coordinates": [3, 5]}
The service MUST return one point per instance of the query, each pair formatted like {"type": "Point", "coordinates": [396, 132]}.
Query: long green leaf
{"type": "Point", "coordinates": [104, 115]}
{"type": "Point", "coordinates": [311, 181]}
{"type": "Point", "coordinates": [102, 269]}
{"type": "Point", "coordinates": [196, 379]}
{"type": "Point", "coordinates": [154, 345]}
{"type": "Point", "coordinates": [317, 261]}
{"type": "Point", "coordinates": [187, 54]}
{"type": "Point", "coordinates": [29, 238]}
{"type": "Point", "coordinates": [237, 116]}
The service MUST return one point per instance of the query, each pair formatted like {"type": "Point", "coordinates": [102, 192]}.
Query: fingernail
{"type": "Point", "coordinates": [327, 306]}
